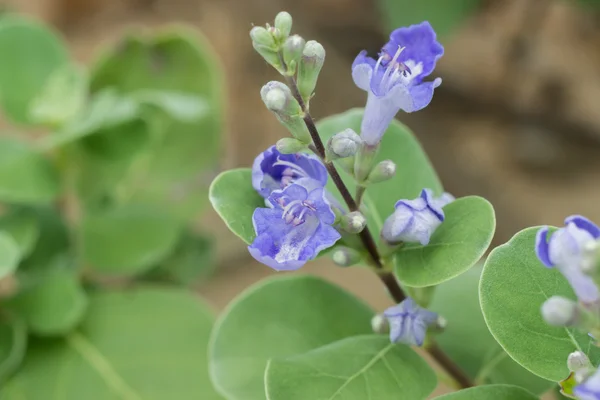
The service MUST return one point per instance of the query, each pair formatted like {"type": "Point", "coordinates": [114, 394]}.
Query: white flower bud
{"type": "Point", "coordinates": [559, 311]}
{"type": "Point", "coordinates": [382, 172]}
{"type": "Point", "coordinates": [380, 324]}
{"type": "Point", "coordinates": [578, 361]}
{"type": "Point", "coordinates": [346, 257]}
{"type": "Point", "coordinates": [343, 144]}
{"type": "Point", "coordinates": [353, 222]}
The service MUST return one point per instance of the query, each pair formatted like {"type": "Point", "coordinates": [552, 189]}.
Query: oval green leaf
{"type": "Point", "coordinates": [128, 240]}
{"type": "Point", "coordinates": [9, 254]}
{"type": "Point", "coordinates": [23, 226]}
{"type": "Point", "coordinates": [25, 175]}
{"type": "Point", "coordinates": [455, 246]}
{"type": "Point", "coordinates": [513, 287]}
{"type": "Point", "coordinates": [356, 368]}
{"type": "Point", "coordinates": [468, 341]}
{"type": "Point", "coordinates": [490, 392]}
{"type": "Point", "coordinates": [52, 240]}
{"type": "Point", "coordinates": [145, 344]}
{"type": "Point", "coordinates": [30, 53]}
{"type": "Point", "coordinates": [276, 318]}
{"type": "Point", "coordinates": [413, 168]}
{"type": "Point", "coordinates": [234, 199]}
{"type": "Point", "coordinates": [54, 305]}
{"type": "Point", "coordinates": [13, 344]}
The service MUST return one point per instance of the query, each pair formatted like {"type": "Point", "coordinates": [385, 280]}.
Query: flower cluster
{"type": "Point", "coordinates": [301, 217]}
{"type": "Point", "coordinates": [573, 250]}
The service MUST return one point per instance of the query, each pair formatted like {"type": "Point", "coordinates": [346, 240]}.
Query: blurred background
{"type": "Point", "coordinates": [516, 119]}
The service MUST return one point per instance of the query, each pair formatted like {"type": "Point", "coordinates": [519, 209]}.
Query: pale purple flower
{"type": "Point", "coordinates": [275, 171]}
{"type": "Point", "coordinates": [589, 389]}
{"type": "Point", "coordinates": [395, 81]}
{"type": "Point", "coordinates": [409, 322]}
{"type": "Point", "coordinates": [414, 221]}
{"type": "Point", "coordinates": [295, 230]}
{"type": "Point", "coordinates": [565, 251]}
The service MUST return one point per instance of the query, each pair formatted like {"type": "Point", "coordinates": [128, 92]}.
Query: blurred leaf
{"type": "Point", "coordinates": [13, 344]}
{"type": "Point", "coordinates": [9, 254]}
{"type": "Point", "coordinates": [491, 392]}
{"type": "Point", "coordinates": [53, 306]}
{"type": "Point", "coordinates": [513, 287]}
{"type": "Point", "coordinates": [170, 69]}
{"type": "Point", "coordinates": [30, 53]}
{"type": "Point", "coordinates": [414, 170]}
{"type": "Point", "coordinates": [23, 226]}
{"type": "Point", "coordinates": [445, 16]}
{"type": "Point", "coordinates": [455, 246]}
{"type": "Point", "coordinates": [25, 175]}
{"type": "Point", "coordinates": [51, 244]}
{"type": "Point", "coordinates": [234, 199]}
{"type": "Point", "coordinates": [62, 98]}
{"type": "Point", "coordinates": [468, 341]}
{"type": "Point", "coordinates": [355, 368]}
{"type": "Point", "coordinates": [180, 106]}
{"type": "Point", "coordinates": [128, 240]}
{"type": "Point", "coordinates": [279, 317]}
{"type": "Point", "coordinates": [146, 344]}
{"type": "Point", "coordinates": [192, 260]}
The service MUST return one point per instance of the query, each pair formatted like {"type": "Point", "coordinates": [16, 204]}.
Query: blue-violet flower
{"type": "Point", "coordinates": [273, 170]}
{"type": "Point", "coordinates": [409, 322]}
{"type": "Point", "coordinates": [414, 221]}
{"type": "Point", "coordinates": [295, 230]}
{"type": "Point", "coordinates": [589, 389]}
{"type": "Point", "coordinates": [395, 81]}
{"type": "Point", "coordinates": [565, 250]}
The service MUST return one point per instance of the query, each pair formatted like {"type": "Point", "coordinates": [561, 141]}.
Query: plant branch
{"type": "Point", "coordinates": [449, 366]}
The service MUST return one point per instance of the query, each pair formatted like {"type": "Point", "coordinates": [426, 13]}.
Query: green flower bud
{"type": "Point", "coordinates": [279, 99]}
{"type": "Point", "coordinates": [343, 144]}
{"type": "Point", "coordinates": [346, 257]}
{"type": "Point", "coordinates": [363, 161]}
{"type": "Point", "coordinates": [353, 222]}
{"type": "Point", "coordinates": [309, 68]}
{"type": "Point", "coordinates": [292, 51]}
{"type": "Point", "coordinates": [283, 23]}
{"type": "Point", "coordinates": [261, 37]}
{"type": "Point", "coordinates": [382, 172]}
{"type": "Point", "coordinates": [380, 324]}
{"type": "Point", "coordinates": [290, 146]}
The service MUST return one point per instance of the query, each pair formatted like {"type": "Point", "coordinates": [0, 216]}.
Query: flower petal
{"type": "Point", "coordinates": [542, 247]}
{"type": "Point", "coordinates": [362, 70]}
{"type": "Point", "coordinates": [583, 223]}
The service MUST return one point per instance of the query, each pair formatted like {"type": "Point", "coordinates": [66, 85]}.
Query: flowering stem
{"type": "Point", "coordinates": [360, 191]}
{"type": "Point", "coordinates": [449, 366]}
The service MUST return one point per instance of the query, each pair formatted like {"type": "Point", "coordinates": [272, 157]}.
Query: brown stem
{"type": "Point", "coordinates": [449, 366]}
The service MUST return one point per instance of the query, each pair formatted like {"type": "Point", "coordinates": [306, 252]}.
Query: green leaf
{"type": "Point", "coordinates": [234, 199]}
{"type": "Point", "coordinates": [23, 226]}
{"type": "Point", "coordinates": [192, 260]}
{"type": "Point", "coordinates": [147, 344]}
{"type": "Point", "coordinates": [53, 306]}
{"type": "Point", "coordinates": [468, 341]}
{"type": "Point", "coordinates": [174, 67]}
{"type": "Point", "coordinates": [490, 392]}
{"type": "Point", "coordinates": [9, 254]}
{"type": "Point", "coordinates": [513, 287]}
{"type": "Point", "coordinates": [459, 242]}
{"type": "Point", "coordinates": [30, 53]}
{"type": "Point", "coordinates": [277, 318]}
{"type": "Point", "coordinates": [13, 344]}
{"type": "Point", "coordinates": [444, 16]}
{"type": "Point", "coordinates": [361, 367]}
{"type": "Point", "coordinates": [128, 240]}
{"type": "Point", "coordinates": [25, 175]}
{"type": "Point", "coordinates": [414, 170]}
{"type": "Point", "coordinates": [62, 98]}
{"type": "Point", "coordinates": [52, 243]}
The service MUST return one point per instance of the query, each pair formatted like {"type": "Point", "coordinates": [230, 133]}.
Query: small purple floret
{"type": "Point", "coordinates": [409, 322]}
{"type": "Point", "coordinates": [589, 389]}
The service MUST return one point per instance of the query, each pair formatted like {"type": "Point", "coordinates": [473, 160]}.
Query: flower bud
{"type": "Point", "coordinates": [560, 311]}
{"type": "Point", "coordinates": [290, 146]}
{"type": "Point", "coordinates": [578, 361]}
{"type": "Point", "coordinates": [309, 68]}
{"type": "Point", "coordinates": [292, 51]}
{"type": "Point", "coordinates": [278, 98]}
{"type": "Point", "coordinates": [262, 37]}
{"type": "Point", "coordinates": [346, 257]}
{"type": "Point", "coordinates": [380, 324]}
{"type": "Point", "coordinates": [343, 144]}
{"type": "Point", "coordinates": [283, 23]}
{"type": "Point", "coordinates": [353, 222]}
{"type": "Point", "coordinates": [382, 172]}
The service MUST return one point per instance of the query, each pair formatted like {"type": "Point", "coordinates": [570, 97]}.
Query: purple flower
{"type": "Point", "coordinates": [395, 81]}
{"type": "Point", "coordinates": [409, 322]}
{"type": "Point", "coordinates": [565, 250]}
{"type": "Point", "coordinates": [415, 220]}
{"type": "Point", "coordinates": [275, 171]}
{"type": "Point", "coordinates": [295, 230]}
{"type": "Point", "coordinates": [589, 389]}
